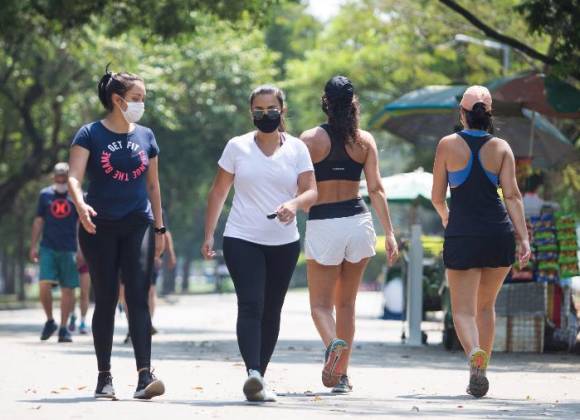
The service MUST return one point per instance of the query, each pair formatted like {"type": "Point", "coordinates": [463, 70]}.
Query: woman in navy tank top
{"type": "Point", "coordinates": [479, 246]}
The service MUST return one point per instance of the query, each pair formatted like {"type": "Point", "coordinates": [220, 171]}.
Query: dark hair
{"type": "Point", "coordinates": [271, 90]}
{"type": "Point", "coordinates": [534, 182]}
{"type": "Point", "coordinates": [478, 118]}
{"type": "Point", "coordinates": [343, 118]}
{"type": "Point", "coordinates": [118, 83]}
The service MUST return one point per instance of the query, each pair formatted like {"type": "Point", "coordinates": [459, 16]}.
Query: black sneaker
{"type": "Point", "coordinates": [149, 386]}
{"type": "Point", "coordinates": [127, 339]}
{"type": "Point", "coordinates": [105, 386]}
{"type": "Point", "coordinates": [64, 335]}
{"type": "Point", "coordinates": [49, 328]}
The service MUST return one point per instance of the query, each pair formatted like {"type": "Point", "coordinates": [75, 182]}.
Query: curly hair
{"type": "Point", "coordinates": [343, 118]}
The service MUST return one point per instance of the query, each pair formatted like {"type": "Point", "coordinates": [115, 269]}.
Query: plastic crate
{"type": "Point", "coordinates": [519, 333]}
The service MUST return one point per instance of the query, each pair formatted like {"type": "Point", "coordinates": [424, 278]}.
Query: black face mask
{"type": "Point", "coordinates": [267, 125]}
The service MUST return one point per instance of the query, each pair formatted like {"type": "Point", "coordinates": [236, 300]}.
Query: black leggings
{"type": "Point", "coordinates": [261, 275]}
{"type": "Point", "coordinates": [118, 249]}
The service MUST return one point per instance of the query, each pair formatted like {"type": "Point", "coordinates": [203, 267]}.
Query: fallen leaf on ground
{"type": "Point", "coordinates": [64, 388]}
{"type": "Point", "coordinates": [36, 407]}
{"type": "Point", "coordinates": [415, 408]}
{"type": "Point", "coordinates": [54, 392]}
{"type": "Point", "coordinates": [198, 388]}
{"type": "Point", "coordinates": [80, 388]}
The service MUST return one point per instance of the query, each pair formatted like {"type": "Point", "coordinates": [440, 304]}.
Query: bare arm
{"type": "Point", "coordinates": [154, 192]}
{"type": "Point", "coordinates": [171, 250]}
{"type": "Point", "coordinates": [439, 189]}
{"type": "Point", "coordinates": [78, 159]}
{"type": "Point", "coordinates": [379, 198]}
{"type": "Point", "coordinates": [37, 226]}
{"type": "Point", "coordinates": [215, 202]}
{"type": "Point", "coordinates": [307, 196]}
{"type": "Point", "coordinates": [514, 204]}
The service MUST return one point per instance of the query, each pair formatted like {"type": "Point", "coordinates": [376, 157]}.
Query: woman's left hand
{"type": "Point", "coordinates": [159, 245]}
{"type": "Point", "coordinates": [287, 212]}
{"type": "Point", "coordinates": [392, 248]}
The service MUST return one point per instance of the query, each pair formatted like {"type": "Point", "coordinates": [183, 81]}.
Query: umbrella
{"type": "Point", "coordinates": [538, 92]}
{"type": "Point", "coordinates": [425, 115]}
{"type": "Point", "coordinates": [406, 187]}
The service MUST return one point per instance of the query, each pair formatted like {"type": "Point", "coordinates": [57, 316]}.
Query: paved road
{"type": "Point", "coordinates": [197, 357]}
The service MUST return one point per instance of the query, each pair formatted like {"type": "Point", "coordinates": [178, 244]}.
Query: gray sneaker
{"type": "Point", "coordinates": [254, 386]}
{"type": "Point", "coordinates": [343, 386]}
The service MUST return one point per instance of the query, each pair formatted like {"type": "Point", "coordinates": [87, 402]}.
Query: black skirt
{"type": "Point", "coordinates": [465, 252]}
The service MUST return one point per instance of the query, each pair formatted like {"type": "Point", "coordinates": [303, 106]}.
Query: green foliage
{"type": "Point", "coordinates": [558, 19]}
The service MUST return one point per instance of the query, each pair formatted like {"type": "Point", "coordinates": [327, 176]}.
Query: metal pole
{"type": "Point", "coordinates": [415, 287]}
{"type": "Point", "coordinates": [532, 134]}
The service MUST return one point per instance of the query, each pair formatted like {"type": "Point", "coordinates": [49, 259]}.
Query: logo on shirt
{"type": "Point", "coordinates": [118, 174]}
{"type": "Point", "coordinates": [60, 208]}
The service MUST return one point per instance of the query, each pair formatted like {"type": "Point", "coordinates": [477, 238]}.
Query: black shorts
{"type": "Point", "coordinates": [465, 252]}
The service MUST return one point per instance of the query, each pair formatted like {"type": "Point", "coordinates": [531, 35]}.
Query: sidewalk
{"type": "Point", "coordinates": [196, 355]}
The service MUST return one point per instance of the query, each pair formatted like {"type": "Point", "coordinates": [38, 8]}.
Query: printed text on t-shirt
{"type": "Point", "coordinates": [118, 174]}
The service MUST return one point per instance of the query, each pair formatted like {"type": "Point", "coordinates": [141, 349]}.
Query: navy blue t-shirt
{"type": "Point", "coordinates": [117, 169]}
{"type": "Point", "coordinates": [60, 220]}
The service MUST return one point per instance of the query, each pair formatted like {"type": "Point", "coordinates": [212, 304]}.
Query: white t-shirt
{"type": "Point", "coordinates": [262, 183]}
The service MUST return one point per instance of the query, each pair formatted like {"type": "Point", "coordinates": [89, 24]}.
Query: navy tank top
{"type": "Point", "coordinates": [337, 165]}
{"type": "Point", "coordinates": [476, 208]}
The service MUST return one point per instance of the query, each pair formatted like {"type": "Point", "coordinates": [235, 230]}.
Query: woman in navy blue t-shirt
{"type": "Point", "coordinates": [122, 201]}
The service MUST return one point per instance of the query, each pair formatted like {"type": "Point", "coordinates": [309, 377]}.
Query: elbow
{"type": "Point", "coordinates": [377, 193]}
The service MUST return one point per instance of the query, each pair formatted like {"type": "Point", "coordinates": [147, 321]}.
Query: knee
{"type": "Point", "coordinates": [486, 309]}
{"type": "Point", "coordinates": [250, 310]}
{"type": "Point", "coordinates": [464, 312]}
{"type": "Point", "coordinates": [320, 309]}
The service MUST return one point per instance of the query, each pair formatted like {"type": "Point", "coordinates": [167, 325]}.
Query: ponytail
{"type": "Point", "coordinates": [118, 83]}
{"type": "Point", "coordinates": [478, 118]}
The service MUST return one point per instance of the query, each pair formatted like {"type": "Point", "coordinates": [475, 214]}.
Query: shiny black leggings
{"type": "Point", "coordinates": [120, 248]}
{"type": "Point", "coordinates": [261, 275]}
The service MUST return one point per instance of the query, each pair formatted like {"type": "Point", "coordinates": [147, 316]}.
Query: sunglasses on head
{"type": "Point", "coordinates": [271, 114]}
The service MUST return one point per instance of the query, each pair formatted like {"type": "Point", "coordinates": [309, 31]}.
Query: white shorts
{"type": "Point", "coordinates": [331, 241]}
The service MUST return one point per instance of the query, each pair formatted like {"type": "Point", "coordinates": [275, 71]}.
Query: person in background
{"type": "Point", "coordinates": [85, 286]}
{"type": "Point", "coordinates": [56, 220]}
{"type": "Point", "coordinates": [340, 237]}
{"type": "Point", "coordinates": [273, 177]}
{"type": "Point", "coordinates": [479, 246]}
{"type": "Point", "coordinates": [122, 202]}
{"type": "Point", "coordinates": [533, 203]}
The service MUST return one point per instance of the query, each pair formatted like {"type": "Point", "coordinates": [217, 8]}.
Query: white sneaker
{"type": "Point", "coordinates": [254, 386]}
{"type": "Point", "coordinates": [269, 395]}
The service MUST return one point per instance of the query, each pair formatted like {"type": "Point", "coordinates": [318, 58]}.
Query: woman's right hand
{"type": "Point", "coordinates": [207, 249]}
{"type": "Point", "coordinates": [524, 252]}
{"type": "Point", "coordinates": [86, 212]}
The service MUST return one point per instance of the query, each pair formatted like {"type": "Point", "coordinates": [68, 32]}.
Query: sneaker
{"type": "Point", "coordinates": [105, 386]}
{"type": "Point", "coordinates": [331, 359]}
{"type": "Point", "coordinates": [64, 335]}
{"type": "Point", "coordinates": [269, 395]}
{"type": "Point", "coordinates": [148, 386]}
{"type": "Point", "coordinates": [83, 330]}
{"type": "Point", "coordinates": [72, 323]}
{"type": "Point", "coordinates": [343, 386]}
{"type": "Point", "coordinates": [49, 328]}
{"type": "Point", "coordinates": [127, 339]}
{"type": "Point", "coordinates": [153, 330]}
{"type": "Point", "coordinates": [254, 386]}
{"type": "Point", "coordinates": [478, 382]}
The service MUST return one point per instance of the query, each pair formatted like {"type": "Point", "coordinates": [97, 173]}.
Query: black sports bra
{"type": "Point", "coordinates": [337, 165]}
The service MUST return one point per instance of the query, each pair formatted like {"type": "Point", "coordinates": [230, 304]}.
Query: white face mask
{"type": "Point", "coordinates": [134, 111]}
{"type": "Point", "coordinates": [61, 188]}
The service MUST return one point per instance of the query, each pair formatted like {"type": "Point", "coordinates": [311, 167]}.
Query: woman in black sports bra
{"type": "Point", "coordinates": [340, 237]}
{"type": "Point", "coordinates": [479, 242]}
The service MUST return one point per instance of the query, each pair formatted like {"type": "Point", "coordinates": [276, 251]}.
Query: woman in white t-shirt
{"type": "Point", "coordinates": [273, 177]}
